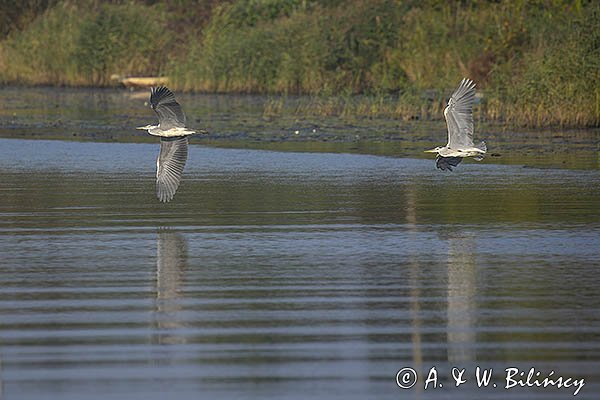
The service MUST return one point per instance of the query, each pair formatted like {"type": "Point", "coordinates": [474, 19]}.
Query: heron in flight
{"type": "Point", "coordinates": [459, 118]}
{"type": "Point", "coordinates": [173, 141]}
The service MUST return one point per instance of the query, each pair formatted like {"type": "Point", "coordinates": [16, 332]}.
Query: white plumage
{"type": "Point", "coordinates": [459, 119]}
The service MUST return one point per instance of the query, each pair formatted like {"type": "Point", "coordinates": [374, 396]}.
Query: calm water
{"type": "Point", "coordinates": [290, 275]}
{"type": "Point", "coordinates": [287, 275]}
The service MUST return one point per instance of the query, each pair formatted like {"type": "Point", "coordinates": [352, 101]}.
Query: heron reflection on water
{"type": "Point", "coordinates": [459, 119]}
{"type": "Point", "coordinates": [461, 332]}
{"type": "Point", "coordinates": [173, 141]}
{"type": "Point", "coordinates": [171, 266]}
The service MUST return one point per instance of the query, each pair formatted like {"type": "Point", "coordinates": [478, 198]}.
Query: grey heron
{"type": "Point", "coordinates": [173, 141]}
{"type": "Point", "coordinates": [459, 119]}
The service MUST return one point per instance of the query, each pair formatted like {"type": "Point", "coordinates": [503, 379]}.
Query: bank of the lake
{"type": "Point", "coordinates": [246, 121]}
{"type": "Point", "coordinates": [537, 64]}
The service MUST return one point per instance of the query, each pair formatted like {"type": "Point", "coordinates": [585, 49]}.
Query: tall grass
{"type": "Point", "coordinates": [557, 80]}
{"type": "Point", "coordinates": [536, 62]}
{"type": "Point", "coordinates": [83, 43]}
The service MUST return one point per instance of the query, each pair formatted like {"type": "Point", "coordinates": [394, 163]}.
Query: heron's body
{"type": "Point", "coordinates": [173, 142]}
{"type": "Point", "coordinates": [155, 130]}
{"type": "Point", "coordinates": [463, 152]}
{"type": "Point", "coordinates": [459, 119]}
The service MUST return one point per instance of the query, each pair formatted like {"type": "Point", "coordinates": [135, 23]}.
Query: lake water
{"type": "Point", "coordinates": [288, 275]}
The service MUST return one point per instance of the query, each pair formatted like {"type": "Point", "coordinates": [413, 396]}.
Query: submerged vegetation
{"type": "Point", "coordinates": [537, 63]}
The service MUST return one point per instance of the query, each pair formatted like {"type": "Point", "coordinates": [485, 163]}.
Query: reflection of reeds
{"type": "Point", "coordinates": [382, 106]}
{"type": "Point", "coordinates": [273, 107]}
{"type": "Point", "coordinates": [407, 108]}
{"type": "Point", "coordinates": [579, 113]}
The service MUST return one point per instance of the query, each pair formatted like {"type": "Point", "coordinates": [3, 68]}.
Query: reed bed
{"type": "Point", "coordinates": [537, 63]}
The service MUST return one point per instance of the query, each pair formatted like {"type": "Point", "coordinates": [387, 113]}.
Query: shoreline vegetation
{"type": "Point", "coordinates": [536, 63]}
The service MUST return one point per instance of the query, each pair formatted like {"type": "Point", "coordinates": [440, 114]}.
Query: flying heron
{"type": "Point", "coordinates": [173, 141]}
{"type": "Point", "coordinates": [459, 118]}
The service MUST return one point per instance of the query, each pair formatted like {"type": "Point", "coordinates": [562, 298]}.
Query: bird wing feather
{"type": "Point", "coordinates": [170, 114]}
{"type": "Point", "coordinates": [459, 115]}
{"type": "Point", "coordinates": [169, 166]}
{"type": "Point", "coordinates": [446, 163]}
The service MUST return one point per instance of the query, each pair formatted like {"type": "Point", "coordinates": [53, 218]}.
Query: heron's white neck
{"type": "Point", "coordinates": [147, 127]}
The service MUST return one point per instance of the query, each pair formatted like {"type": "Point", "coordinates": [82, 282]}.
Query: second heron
{"type": "Point", "coordinates": [459, 118]}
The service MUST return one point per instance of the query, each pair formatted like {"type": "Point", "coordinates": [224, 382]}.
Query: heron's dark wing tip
{"type": "Point", "coordinates": [446, 163]}
{"type": "Point", "coordinates": [160, 93]}
{"type": "Point", "coordinates": [167, 108]}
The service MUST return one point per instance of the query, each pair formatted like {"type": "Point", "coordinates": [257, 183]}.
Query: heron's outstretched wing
{"type": "Point", "coordinates": [446, 163]}
{"type": "Point", "coordinates": [459, 115]}
{"type": "Point", "coordinates": [169, 111]}
{"type": "Point", "coordinates": [169, 166]}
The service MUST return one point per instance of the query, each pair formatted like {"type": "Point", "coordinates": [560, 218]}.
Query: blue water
{"type": "Point", "coordinates": [290, 275]}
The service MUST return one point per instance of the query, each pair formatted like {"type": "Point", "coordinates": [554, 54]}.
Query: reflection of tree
{"type": "Point", "coordinates": [171, 263]}
{"type": "Point", "coordinates": [1, 383]}
{"type": "Point", "coordinates": [462, 281]}
{"type": "Point", "coordinates": [415, 283]}
{"type": "Point", "coordinates": [461, 286]}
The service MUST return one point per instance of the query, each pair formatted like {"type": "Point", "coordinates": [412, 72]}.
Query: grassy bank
{"type": "Point", "coordinates": [536, 62]}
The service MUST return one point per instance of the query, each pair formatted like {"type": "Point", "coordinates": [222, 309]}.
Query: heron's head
{"type": "Point", "coordinates": [436, 150]}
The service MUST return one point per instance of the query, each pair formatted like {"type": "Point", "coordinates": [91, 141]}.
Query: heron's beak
{"type": "Point", "coordinates": [431, 151]}
{"type": "Point", "coordinates": [141, 128]}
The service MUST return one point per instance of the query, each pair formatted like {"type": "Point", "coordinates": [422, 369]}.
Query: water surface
{"type": "Point", "coordinates": [290, 275]}
{"type": "Point", "coordinates": [246, 122]}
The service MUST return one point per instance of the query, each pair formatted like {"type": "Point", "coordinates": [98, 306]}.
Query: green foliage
{"type": "Point", "coordinates": [41, 53]}
{"type": "Point", "coordinates": [244, 13]}
{"type": "Point", "coordinates": [281, 57]}
{"type": "Point", "coordinates": [536, 62]}
{"type": "Point", "coordinates": [83, 44]}
{"type": "Point", "coordinates": [16, 14]}
{"type": "Point", "coordinates": [120, 38]}
{"type": "Point", "coordinates": [560, 80]}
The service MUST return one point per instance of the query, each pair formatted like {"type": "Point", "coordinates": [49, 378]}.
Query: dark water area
{"type": "Point", "coordinates": [246, 121]}
{"type": "Point", "coordinates": [316, 272]}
